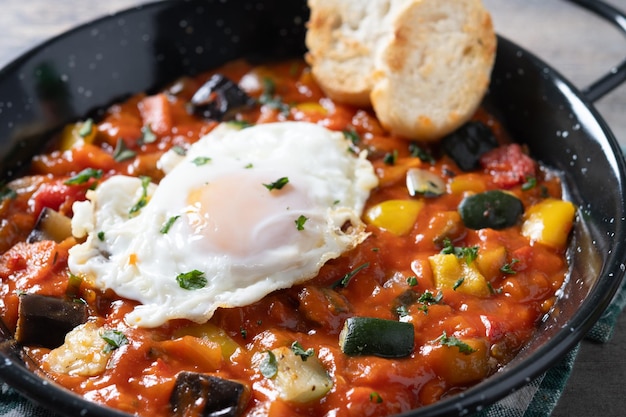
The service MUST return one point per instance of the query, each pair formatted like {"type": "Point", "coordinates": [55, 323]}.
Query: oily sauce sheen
{"type": "Point", "coordinates": [460, 337]}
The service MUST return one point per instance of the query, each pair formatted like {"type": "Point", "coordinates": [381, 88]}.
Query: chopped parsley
{"type": "Point", "coordinates": [179, 150]}
{"type": "Point", "coordinates": [531, 182]}
{"type": "Point", "coordinates": [101, 236]}
{"type": "Point", "coordinates": [114, 338]}
{"type": "Point", "coordinates": [84, 176]}
{"type": "Point", "coordinates": [143, 200]}
{"type": "Point", "coordinates": [86, 128]}
{"type": "Point", "coordinates": [343, 282]}
{"type": "Point", "coordinates": [192, 280]}
{"type": "Point", "coordinates": [452, 341]}
{"type": "Point", "coordinates": [278, 184]}
{"type": "Point", "coordinates": [269, 365]}
{"type": "Point", "coordinates": [427, 299]}
{"type": "Point", "coordinates": [243, 332]}
{"type": "Point", "coordinates": [300, 222]}
{"type": "Point", "coordinates": [467, 253]}
{"type": "Point", "coordinates": [390, 158]}
{"type": "Point", "coordinates": [417, 152]}
{"type": "Point", "coordinates": [147, 135]}
{"type": "Point", "coordinates": [201, 160]}
{"type": "Point", "coordinates": [121, 152]}
{"type": "Point", "coordinates": [508, 268]}
{"type": "Point", "coordinates": [270, 99]}
{"type": "Point", "coordinates": [297, 348]}
{"type": "Point", "coordinates": [352, 136]}
{"type": "Point", "coordinates": [412, 281]}
{"type": "Point", "coordinates": [249, 165]}
{"type": "Point", "coordinates": [240, 124]}
{"type": "Point", "coordinates": [458, 283]}
{"type": "Point", "coordinates": [166, 226]}
{"type": "Point", "coordinates": [375, 397]}
{"type": "Point", "coordinates": [6, 192]}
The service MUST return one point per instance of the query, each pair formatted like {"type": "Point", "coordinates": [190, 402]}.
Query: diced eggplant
{"type": "Point", "coordinates": [44, 320]}
{"type": "Point", "coordinates": [466, 144]}
{"type": "Point", "coordinates": [218, 97]}
{"type": "Point", "coordinates": [51, 225]}
{"type": "Point", "coordinates": [207, 396]}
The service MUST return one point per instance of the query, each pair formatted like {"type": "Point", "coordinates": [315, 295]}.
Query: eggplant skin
{"type": "Point", "coordinates": [204, 395]}
{"type": "Point", "coordinates": [45, 321]}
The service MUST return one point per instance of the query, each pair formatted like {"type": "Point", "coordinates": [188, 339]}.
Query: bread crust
{"type": "Point", "coordinates": [423, 65]}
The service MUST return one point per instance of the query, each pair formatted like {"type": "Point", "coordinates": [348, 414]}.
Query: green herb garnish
{"type": "Point", "coordinates": [101, 236]}
{"type": "Point", "coordinates": [143, 200]}
{"type": "Point", "coordinates": [121, 152]}
{"type": "Point", "coordinates": [270, 99]}
{"type": "Point", "coordinates": [417, 152]}
{"type": "Point", "coordinates": [467, 253]}
{"type": "Point", "coordinates": [508, 268]}
{"type": "Point", "coordinates": [390, 158]}
{"type": "Point", "coordinates": [201, 160]}
{"type": "Point", "coordinates": [300, 222]}
{"type": "Point", "coordinates": [114, 339]}
{"type": "Point", "coordinates": [343, 282]}
{"type": "Point", "coordinates": [531, 182]}
{"type": "Point", "coordinates": [376, 398]}
{"type": "Point", "coordinates": [6, 192]}
{"type": "Point", "coordinates": [179, 150]}
{"type": "Point", "coordinates": [86, 128]}
{"type": "Point", "coordinates": [352, 136]}
{"type": "Point", "coordinates": [192, 280]}
{"type": "Point", "coordinates": [269, 366]}
{"type": "Point", "coordinates": [412, 281]}
{"type": "Point", "coordinates": [166, 226]}
{"type": "Point", "coordinates": [452, 341]}
{"type": "Point", "coordinates": [84, 176]}
{"type": "Point", "coordinates": [297, 348]}
{"type": "Point", "coordinates": [278, 184]}
{"type": "Point", "coordinates": [147, 135]}
{"type": "Point", "coordinates": [458, 283]}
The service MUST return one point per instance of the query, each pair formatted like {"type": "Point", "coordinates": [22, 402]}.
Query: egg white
{"type": "Point", "coordinates": [225, 222]}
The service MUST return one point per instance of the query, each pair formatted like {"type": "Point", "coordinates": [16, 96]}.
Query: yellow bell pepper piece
{"type": "Point", "coordinates": [76, 134]}
{"type": "Point", "coordinates": [211, 333]}
{"type": "Point", "coordinates": [489, 261]}
{"type": "Point", "coordinates": [467, 183]}
{"type": "Point", "coordinates": [395, 216]}
{"type": "Point", "coordinates": [549, 222]}
{"type": "Point", "coordinates": [451, 272]}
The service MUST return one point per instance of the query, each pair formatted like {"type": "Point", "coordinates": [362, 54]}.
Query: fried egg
{"type": "Point", "coordinates": [245, 212]}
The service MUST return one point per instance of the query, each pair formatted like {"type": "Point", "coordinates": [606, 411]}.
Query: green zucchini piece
{"type": "Point", "coordinates": [377, 337]}
{"type": "Point", "coordinates": [493, 209]}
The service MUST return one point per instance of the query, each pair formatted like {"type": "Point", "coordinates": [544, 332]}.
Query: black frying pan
{"type": "Point", "coordinates": [82, 71]}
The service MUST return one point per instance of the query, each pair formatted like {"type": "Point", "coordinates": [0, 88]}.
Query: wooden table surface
{"type": "Point", "coordinates": [574, 42]}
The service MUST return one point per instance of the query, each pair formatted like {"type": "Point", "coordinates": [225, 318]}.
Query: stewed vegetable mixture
{"type": "Point", "coordinates": [465, 253]}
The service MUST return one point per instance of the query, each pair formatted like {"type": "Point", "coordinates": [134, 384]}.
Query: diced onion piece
{"type": "Point", "coordinates": [422, 182]}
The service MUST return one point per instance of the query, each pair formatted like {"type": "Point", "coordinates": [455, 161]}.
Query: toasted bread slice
{"type": "Point", "coordinates": [343, 39]}
{"type": "Point", "coordinates": [424, 65]}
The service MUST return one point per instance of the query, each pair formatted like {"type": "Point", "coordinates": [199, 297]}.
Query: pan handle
{"type": "Point", "coordinates": [617, 74]}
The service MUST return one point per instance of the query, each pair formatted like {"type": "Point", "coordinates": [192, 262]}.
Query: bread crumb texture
{"type": "Point", "coordinates": [423, 65]}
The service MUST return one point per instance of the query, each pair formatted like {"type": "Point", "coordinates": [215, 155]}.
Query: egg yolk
{"type": "Point", "coordinates": [238, 215]}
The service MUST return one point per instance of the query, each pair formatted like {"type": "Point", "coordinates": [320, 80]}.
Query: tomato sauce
{"type": "Point", "coordinates": [522, 274]}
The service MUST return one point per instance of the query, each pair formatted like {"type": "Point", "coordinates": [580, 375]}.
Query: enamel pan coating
{"type": "Point", "coordinates": [76, 75]}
